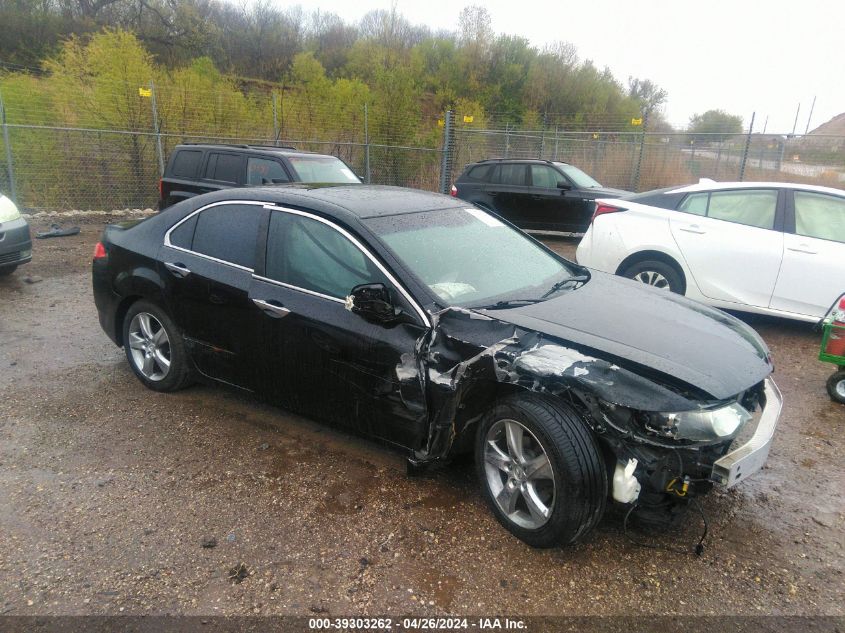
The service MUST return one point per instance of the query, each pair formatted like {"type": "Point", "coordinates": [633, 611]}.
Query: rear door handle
{"type": "Point", "coordinates": [803, 248]}
{"type": "Point", "coordinates": [693, 228]}
{"type": "Point", "coordinates": [178, 269]}
{"type": "Point", "coordinates": [272, 308]}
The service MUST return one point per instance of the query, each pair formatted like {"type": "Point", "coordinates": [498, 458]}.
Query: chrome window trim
{"type": "Point", "coordinates": [292, 287]}
{"type": "Point", "coordinates": [360, 247]}
{"type": "Point", "coordinates": [169, 244]}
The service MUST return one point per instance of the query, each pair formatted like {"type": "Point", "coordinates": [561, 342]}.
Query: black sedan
{"type": "Point", "coordinates": [537, 195]}
{"type": "Point", "coordinates": [435, 327]}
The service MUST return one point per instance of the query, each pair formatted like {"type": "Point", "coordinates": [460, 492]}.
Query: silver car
{"type": "Point", "coordinates": [15, 242]}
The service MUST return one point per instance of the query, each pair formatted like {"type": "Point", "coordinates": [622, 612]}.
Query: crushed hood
{"type": "Point", "coordinates": [636, 325]}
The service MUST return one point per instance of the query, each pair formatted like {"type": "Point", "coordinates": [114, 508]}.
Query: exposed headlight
{"type": "Point", "coordinates": [705, 425]}
{"type": "Point", "coordinates": [8, 210]}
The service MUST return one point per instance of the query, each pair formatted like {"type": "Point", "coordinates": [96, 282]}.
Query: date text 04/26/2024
{"type": "Point", "coordinates": [416, 624]}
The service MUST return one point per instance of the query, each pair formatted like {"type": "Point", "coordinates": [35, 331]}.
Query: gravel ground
{"type": "Point", "coordinates": [111, 497]}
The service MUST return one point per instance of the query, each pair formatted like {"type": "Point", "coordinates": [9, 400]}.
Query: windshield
{"type": "Point", "coordinates": [578, 177]}
{"type": "Point", "coordinates": [322, 169]}
{"type": "Point", "coordinates": [469, 258]}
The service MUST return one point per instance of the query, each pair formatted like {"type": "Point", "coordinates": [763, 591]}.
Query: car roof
{"type": "Point", "coordinates": [283, 150]}
{"type": "Point", "coordinates": [359, 200]}
{"type": "Point", "coordinates": [706, 184]}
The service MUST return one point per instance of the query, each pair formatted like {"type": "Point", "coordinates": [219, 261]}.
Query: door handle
{"type": "Point", "coordinates": [693, 228]}
{"type": "Point", "coordinates": [178, 269]}
{"type": "Point", "coordinates": [272, 308]}
{"type": "Point", "coordinates": [803, 248]}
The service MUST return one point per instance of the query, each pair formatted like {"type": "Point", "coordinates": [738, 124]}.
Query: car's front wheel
{"type": "Point", "coordinates": [154, 348]}
{"type": "Point", "coordinates": [540, 470]}
{"type": "Point", "coordinates": [656, 274]}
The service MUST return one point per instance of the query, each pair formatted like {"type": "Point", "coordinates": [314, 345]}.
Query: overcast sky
{"type": "Point", "coordinates": [738, 55]}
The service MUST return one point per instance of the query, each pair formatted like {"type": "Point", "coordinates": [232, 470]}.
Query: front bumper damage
{"type": "Point", "coordinates": [750, 457]}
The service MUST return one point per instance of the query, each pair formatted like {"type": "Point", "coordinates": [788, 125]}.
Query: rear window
{"type": "Point", "coordinates": [511, 174]}
{"type": "Point", "coordinates": [224, 167]}
{"type": "Point", "coordinates": [185, 163]}
{"type": "Point", "coordinates": [229, 233]}
{"type": "Point", "coordinates": [481, 173]}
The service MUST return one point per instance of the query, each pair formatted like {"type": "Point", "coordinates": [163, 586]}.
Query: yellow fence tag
{"type": "Point", "coordinates": [637, 121]}
{"type": "Point", "coordinates": [468, 118]}
{"type": "Point", "coordinates": [145, 92]}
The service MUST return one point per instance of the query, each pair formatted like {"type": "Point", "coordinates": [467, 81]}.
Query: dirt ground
{"type": "Point", "coordinates": [108, 492]}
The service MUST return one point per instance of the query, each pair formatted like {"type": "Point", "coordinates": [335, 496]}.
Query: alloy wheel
{"type": "Point", "coordinates": [149, 346]}
{"type": "Point", "coordinates": [652, 278]}
{"type": "Point", "coordinates": [519, 474]}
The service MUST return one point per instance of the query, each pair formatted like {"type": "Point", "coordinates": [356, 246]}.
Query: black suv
{"type": "Point", "coordinates": [538, 195]}
{"type": "Point", "coordinates": [196, 169]}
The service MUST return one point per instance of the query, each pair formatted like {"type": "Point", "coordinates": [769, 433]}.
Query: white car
{"type": "Point", "coordinates": [771, 248]}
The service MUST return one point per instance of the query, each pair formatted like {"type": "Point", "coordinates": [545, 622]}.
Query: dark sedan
{"type": "Point", "coordinates": [438, 328]}
{"type": "Point", "coordinates": [536, 195]}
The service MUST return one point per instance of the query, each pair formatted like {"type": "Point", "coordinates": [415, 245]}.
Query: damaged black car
{"type": "Point", "coordinates": [440, 329]}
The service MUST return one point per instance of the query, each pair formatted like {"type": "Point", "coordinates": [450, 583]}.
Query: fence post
{"type": "Point", "coordinates": [745, 151]}
{"type": "Point", "coordinates": [507, 139]}
{"type": "Point", "coordinates": [448, 149]}
{"type": "Point", "coordinates": [366, 144]}
{"type": "Point", "coordinates": [159, 151]}
{"type": "Point", "coordinates": [543, 137]}
{"type": "Point", "coordinates": [276, 132]}
{"type": "Point", "coordinates": [635, 182]}
{"type": "Point", "coordinates": [556, 140]}
{"type": "Point", "coordinates": [9, 165]}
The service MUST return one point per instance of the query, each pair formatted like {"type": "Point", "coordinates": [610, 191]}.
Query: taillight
{"type": "Point", "coordinates": [99, 251]}
{"type": "Point", "coordinates": [453, 191]}
{"type": "Point", "coordinates": [603, 209]}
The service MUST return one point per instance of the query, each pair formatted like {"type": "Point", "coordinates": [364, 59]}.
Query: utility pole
{"type": "Point", "coordinates": [812, 107]}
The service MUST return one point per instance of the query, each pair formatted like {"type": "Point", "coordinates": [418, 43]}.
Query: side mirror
{"type": "Point", "coordinates": [372, 302]}
{"type": "Point", "coordinates": [563, 185]}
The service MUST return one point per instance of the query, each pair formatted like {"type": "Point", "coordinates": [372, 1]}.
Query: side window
{"type": "Point", "coordinates": [224, 167]}
{"type": "Point", "coordinates": [749, 207]}
{"type": "Point", "coordinates": [183, 235]}
{"type": "Point", "coordinates": [513, 174]}
{"type": "Point", "coordinates": [544, 176]}
{"type": "Point", "coordinates": [185, 163]}
{"type": "Point", "coordinates": [229, 233]}
{"type": "Point", "coordinates": [308, 254]}
{"type": "Point", "coordinates": [820, 215]}
{"type": "Point", "coordinates": [480, 173]}
{"type": "Point", "coordinates": [265, 171]}
{"type": "Point", "coordinates": [695, 203]}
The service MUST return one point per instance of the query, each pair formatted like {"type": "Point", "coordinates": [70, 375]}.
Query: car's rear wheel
{"type": "Point", "coordinates": [656, 274]}
{"type": "Point", "coordinates": [154, 348]}
{"type": "Point", "coordinates": [8, 270]}
{"type": "Point", "coordinates": [836, 387]}
{"type": "Point", "coordinates": [540, 470]}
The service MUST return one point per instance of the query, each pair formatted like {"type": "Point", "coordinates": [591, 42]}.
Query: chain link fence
{"type": "Point", "coordinates": [107, 150]}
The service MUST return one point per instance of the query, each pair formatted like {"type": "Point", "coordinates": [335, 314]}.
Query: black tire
{"type": "Point", "coordinates": [8, 270]}
{"type": "Point", "coordinates": [647, 270]}
{"type": "Point", "coordinates": [836, 386]}
{"type": "Point", "coordinates": [179, 374]}
{"type": "Point", "coordinates": [580, 476]}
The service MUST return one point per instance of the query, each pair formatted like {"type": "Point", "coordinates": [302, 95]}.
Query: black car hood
{"type": "Point", "coordinates": [635, 324]}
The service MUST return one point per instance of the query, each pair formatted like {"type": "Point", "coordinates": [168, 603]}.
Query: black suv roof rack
{"type": "Point", "coordinates": [515, 158]}
{"type": "Point", "coordinates": [245, 146]}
